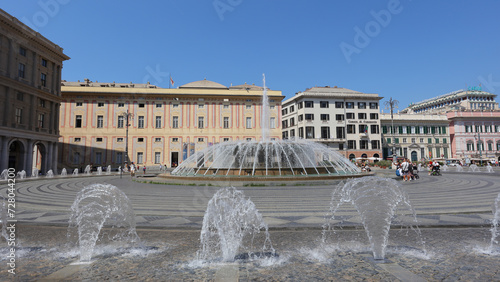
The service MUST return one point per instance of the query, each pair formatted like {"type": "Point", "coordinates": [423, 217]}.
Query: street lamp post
{"type": "Point", "coordinates": [391, 105]}
{"type": "Point", "coordinates": [126, 115]}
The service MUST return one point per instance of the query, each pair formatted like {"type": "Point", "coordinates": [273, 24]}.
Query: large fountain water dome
{"type": "Point", "coordinates": [267, 157]}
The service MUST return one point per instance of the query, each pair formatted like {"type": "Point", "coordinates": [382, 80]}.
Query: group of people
{"type": "Point", "coordinates": [434, 167]}
{"type": "Point", "coordinates": [407, 170]}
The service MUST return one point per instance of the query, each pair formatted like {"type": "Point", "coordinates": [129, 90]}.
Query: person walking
{"type": "Point", "coordinates": [132, 169]}
{"type": "Point", "coordinates": [144, 170]}
{"type": "Point", "coordinates": [405, 166]}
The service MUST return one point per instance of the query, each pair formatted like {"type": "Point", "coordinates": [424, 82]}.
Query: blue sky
{"type": "Point", "coordinates": [408, 50]}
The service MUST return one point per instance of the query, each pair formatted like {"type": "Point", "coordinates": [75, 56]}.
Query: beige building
{"type": "Point", "coordinates": [30, 96]}
{"type": "Point", "coordinates": [344, 120]}
{"type": "Point", "coordinates": [415, 136]}
{"type": "Point", "coordinates": [166, 125]}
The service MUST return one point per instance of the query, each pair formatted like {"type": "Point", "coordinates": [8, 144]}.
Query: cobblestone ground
{"type": "Point", "coordinates": [449, 254]}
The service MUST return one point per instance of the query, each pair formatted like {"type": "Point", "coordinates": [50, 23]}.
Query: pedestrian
{"type": "Point", "coordinates": [405, 166]}
{"type": "Point", "coordinates": [132, 169]}
{"type": "Point", "coordinates": [144, 170]}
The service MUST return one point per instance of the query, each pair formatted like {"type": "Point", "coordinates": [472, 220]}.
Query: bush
{"type": "Point", "coordinates": [384, 163]}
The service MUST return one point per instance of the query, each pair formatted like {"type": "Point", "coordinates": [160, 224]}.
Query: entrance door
{"type": "Point", "coordinates": [174, 159]}
{"type": "Point", "coordinates": [414, 157]}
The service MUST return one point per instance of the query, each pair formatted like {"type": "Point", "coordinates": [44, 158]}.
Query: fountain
{"type": "Point", "coordinates": [376, 200]}
{"type": "Point", "coordinates": [495, 222]}
{"type": "Point", "coordinates": [3, 218]}
{"type": "Point", "coordinates": [473, 168]}
{"type": "Point", "coordinates": [459, 168]}
{"type": "Point", "coordinates": [4, 175]}
{"type": "Point", "coordinates": [96, 205]}
{"type": "Point", "coordinates": [21, 174]}
{"type": "Point", "coordinates": [419, 169]}
{"type": "Point", "coordinates": [444, 168]}
{"type": "Point", "coordinates": [267, 159]}
{"type": "Point", "coordinates": [228, 220]}
{"type": "Point", "coordinates": [64, 173]}
{"type": "Point", "coordinates": [108, 170]}
{"type": "Point", "coordinates": [50, 174]}
{"type": "Point", "coordinates": [75, 172]}
{"type": "Point", "coordinates": [99, 170]}
{"type": "Point", "coordinates": [87, 170]}
{"type": "Point", "coordinates": [34, 172]}
{"type": "Point", "coordinates": [489, 168]}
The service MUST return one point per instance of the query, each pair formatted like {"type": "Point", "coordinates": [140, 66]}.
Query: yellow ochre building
{"type": "Point", "coordinates": [165, 125]}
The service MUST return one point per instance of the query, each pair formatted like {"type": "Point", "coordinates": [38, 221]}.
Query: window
{"type": "Point", "coordinates": [248, 107]}
{"type": "Point", "coordinates": [100, 104]}
{"type": "Point", "coordinates": [43, 79]}
{"type": "Point", "coordinates": [361, 105]}
{"type": "Point", "coordinates": [361, 115]}
{"type": "Point", "coordinates": [349, 105]}
{"type": "Point", "coordinates": [140, 139]}
{"type": "Point", "coordinates": [351, 129]}
{"type": "Point", "coordinates": [325, 132]}
{"type": "Point", "coordinates": [22, 51]}
{"type": "Point", "coordinates": [421, 140]}
{"type": "Point", "coordinates": [175, 139]}
{"type": "Point", "coordinates": [226, 122]}
{"type": "Point", "coordinates": [121, 121]}
{"type": "Point", "coordinates": [374, 129]}
{"type": "Point", "coordinates": [158, 122]}
{"type": "Point", "coordinates": [157, 139]}
{"type": "Point", "coordinates": [41, 120]}
{"type": "Point", "coordinates": [200, 139]}
{"type": "Point", "coordinates": [157, 157]}
{"type": "Point", "coordinates": [363, 144]}
{"type": "Point", "coordinates": [273, 122]}
{"type": "Point", "coordinates": [19, 116]}
{"type": "Point", "coordinates": [249, 122]}
{"type": "Point", "coordinates": [98, 139]}
{"type": "Point", "coordinates": [121, 105]}
{"type": "Point", "coordinates": [292, 121]}
{"type": "Point", "coordinates": [141, 122]}
{"type": "Point", "coordinates": [437, 141]}
{"type": "Point", "coordinates": [158, 105]}
{"type": "Point", "coordinates": [351, 144]}
{"type": "Point", "coordinates": [41, 103]}
{"type": "Point", "coordinates": [20, 96]}
{"type": "Point", "coordinates": [79, 104]}
{"type": "Point", "coordinates": [309, 117]}
{"type": "Point", "coordinates": [292, 133]}
{"type": "Point", "coordinates": [301, 132]}
{"type": "Point", "coordinates": [201, 122]}
{"type": "Point", "coordinates": [413, 140]}
{"type": "Point", "coordinates": [175, 122]}
{"type": "Point", "coordinates": [98, 157]}
{"type": "Point", "coordinates": [21, 72]}
{"type": "Point", "coordinates": [100, 121]}
{"type": "Point", "coordinates": [479, 128]}
{"type": "Point", "coordinates": [470, 146]}
{"type": "Point", "coordinates": [429, 140]}
{"type": "Point", "coordinates": [284, 123]}
{"type": "Point", "coordinates": [373, 106]}
{"type": "Point", "coordinates": [309, 104]}
{"type": "Point", "coordinates": [226, 106]}
{"type": "Point", "coordinates": [119, 157]}
{"type": "Point", "coordinates": [339, 105]}
{"type": "Point", "coordinates": [249, 139]}
{"type": "Point", "coordinates": [201, 106]}
{"type": "Point", "coordinates": [363, 128]}
{"type": "Point", "coordinates": [44, 63]}
{"type": "Point", "coordinates": [325, 117]}
{"type": "Point", "coordinates": [139, 157]}
{"type": "Point", "coordinates": [340, 132]}
{"type": "Point", "coordinates": [468, 128]}
{"type": "Point", "coordinates": [292, 109]}
{"type": "Point", "coordinates": [375, 144]}
{"type": "Point", "coordinates": [350, 115]}
{"type": "Point", "coordinates": [323, 104]}
{"type": "Point", "coordinates": [373, 116]}
{"type": "Point", "coordinates": [309, 132]}
{"type": "Point", "coordinates": [339, 117]}
{"type": "Point", "coordinates": [77, 139]}
{"type": "Point", "coordinates": [404, 140]}
{"type": "Point", "coordinates": [119, 139]}
{"type": "Point", "coordinates": [300, 105]}
{"type": "Point", "coordinates": [141, 105]}
{"type": "Point", "coordinates": [175, 106]}
{"type": "Point", "coordinates": [225, 139]}
{"type": "Point", "coordinates": [445, 141]}
{"type": "Point", "coordinates": [300, 118]}
{"type": "Point", "coordinates": [76, 158]}
{"type": "Point", "coordinates": [284, 111]}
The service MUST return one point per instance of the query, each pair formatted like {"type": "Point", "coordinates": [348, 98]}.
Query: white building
{"type": "Point", "coordinates": [343, 119]}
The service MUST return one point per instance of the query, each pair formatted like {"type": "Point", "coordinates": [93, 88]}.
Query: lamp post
{"type": "Point", "coordinates": [126, 115]}
{"type": "Point", "coordinates": [391, 105]}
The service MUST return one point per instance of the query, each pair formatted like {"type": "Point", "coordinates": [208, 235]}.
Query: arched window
{"type": "Point", "coordinates": [352, 156]}
{"type": "Point", "coordinates": [364, 156]}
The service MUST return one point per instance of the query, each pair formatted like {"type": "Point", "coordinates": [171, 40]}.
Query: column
{"type": "Point", "coordinates": [54, 157]}
{"type": "Point", "coordinates": [48, 159]}
{"type": "Point", "coordinates": [4, 153]}
{"type": "Point", "coordinates": [29, 160]}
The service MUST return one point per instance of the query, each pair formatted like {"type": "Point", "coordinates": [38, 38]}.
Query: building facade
{"type": "Point", "coordinates": [344, 120]}
{"type": "Point", "coordinates": [475, 134]}
{"type": "Point", "coordinates": [417, 137]}
{"type": "Point", "coordinates": [30, 96]}
{"type": "Point", "coordinates": [166, 125]}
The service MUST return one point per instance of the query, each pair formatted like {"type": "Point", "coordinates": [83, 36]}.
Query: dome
{"type": "Point", "coordinates": [205, 84]}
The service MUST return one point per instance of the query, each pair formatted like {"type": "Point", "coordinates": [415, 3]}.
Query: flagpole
{"type": "Point", "coordinates": [169, 80]}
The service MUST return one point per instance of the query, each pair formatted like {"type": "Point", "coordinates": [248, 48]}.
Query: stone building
{"type": "Point", "coordinates": [30, 96]}
{"type": "Point", "coordinates": [166, 125]}
{"type": "Point", "coordinates": [344, 120]}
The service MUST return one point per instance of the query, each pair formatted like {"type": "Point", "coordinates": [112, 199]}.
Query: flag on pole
{"type": "Point", "coordinates": [171, 81]}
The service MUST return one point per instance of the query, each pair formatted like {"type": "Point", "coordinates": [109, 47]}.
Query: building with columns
{"type": "Point", "coordinates": [344, 120]}
{"type": "Point", "coordinates": [166, 126]}
{"type": "Point", "coordinates": [30, 96]}
{"type": "Point", "coordinates": [475, 134]}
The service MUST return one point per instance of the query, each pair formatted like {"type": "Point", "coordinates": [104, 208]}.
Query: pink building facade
{"type": "Point", "coordinates": [475, 134]}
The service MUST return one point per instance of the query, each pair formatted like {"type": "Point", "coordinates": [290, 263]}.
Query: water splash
{"type": "Point", "coordinates": [75, 172]}
{"type": "Point", "coordinates": [473, 168]}
{"type": "Point", "coordinates": [108, 170]}
{"type": "Point", "coordinates": [460, 168]}
{"type": "Point", "coordinates": [96, 205]}
{"type": "Point", "coordinates": [376, 199]}
{"type": "Point", "coordinates": [50, 174]}
{"type": "Point", "coordinates": [495, 232]}
{"type": "Point", "coordinates": [87, 170]}
{"type": "Point", "coordinates": [34, 172]}
{"type": "Point", "coordinates": [99, 170]}
{"type": "Point", "coordinates": [64, 172]}
{"type": "Point", "coordinates": [228, 220]}
{"type": "Point", "coordinates": [489, 168]}
{"type": "Point", "coordinates": [21, 174]}
{"type": "Point", "coordinates": [265, 112]}
{"type": "Point", "coordinates": [444, 168]}
{"type": "Point", "coordinates": [3, 218]}
{"type": "Point", "coordinates": [4, 175]}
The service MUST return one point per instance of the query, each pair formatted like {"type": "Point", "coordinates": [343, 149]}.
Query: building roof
{"type": "Point", "coordinates": [333, 92]}
{"type": "Point", "coordinates": [88, 83]}
{"type": "Point", "coordinates": [207, 84]}
{"type": "Point", "coordinates": [246, 86]}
